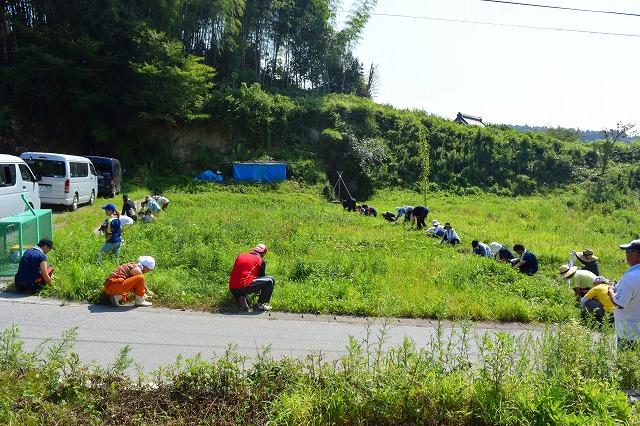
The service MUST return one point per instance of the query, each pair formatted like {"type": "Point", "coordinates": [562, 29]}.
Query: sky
{"type": "Point", "coordinates": [493, 60]}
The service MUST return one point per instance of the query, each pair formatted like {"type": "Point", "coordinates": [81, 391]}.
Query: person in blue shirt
{"type": "Point", "coordinates": [112, 229]}
{"type": "Point", "coordinates": [481, 248]}
{"type": "Point", "coordinates": [526, 261]}
{"type": "Point", "coordinates": [33, 271]}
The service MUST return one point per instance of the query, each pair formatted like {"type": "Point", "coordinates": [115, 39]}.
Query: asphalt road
{"type": "Point", "coordinates": [158, 335]}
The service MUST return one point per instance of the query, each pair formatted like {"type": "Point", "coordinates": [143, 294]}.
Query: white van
{"type": "Point", "coordinates": [66, 180]}
{"type": "Point", "coordinates": [16, 179]}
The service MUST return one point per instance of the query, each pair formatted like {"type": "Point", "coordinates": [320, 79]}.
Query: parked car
{"type": "Point", "coordinates": [16, 180]}
{"type": "Point", "coordinates": [109, 174]}
{"type": "Point", "coordinates": [67, 180]}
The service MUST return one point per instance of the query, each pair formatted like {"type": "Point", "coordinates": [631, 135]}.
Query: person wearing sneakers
{"type": "Point", "coordinates": [129, 277]}
{"type": "Point", "coordinates": [248, 277]}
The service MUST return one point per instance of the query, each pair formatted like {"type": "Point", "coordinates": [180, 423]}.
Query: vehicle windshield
{"type": "Point", "coordinates": [102, 167]}
{"type": "Point", "coordinates": [47, 168]}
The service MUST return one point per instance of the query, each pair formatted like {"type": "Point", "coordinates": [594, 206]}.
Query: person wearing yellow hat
{"type": "Point", "coordinates": [248, 277]}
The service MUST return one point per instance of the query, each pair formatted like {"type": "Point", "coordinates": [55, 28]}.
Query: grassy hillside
{"type": "Point", "coordinates": [326, 260]}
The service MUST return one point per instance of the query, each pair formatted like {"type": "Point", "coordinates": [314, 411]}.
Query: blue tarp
{"type": "Point", "coordinates": [259, 172]}
{"type": "Point", "coordinates": [209, 176]}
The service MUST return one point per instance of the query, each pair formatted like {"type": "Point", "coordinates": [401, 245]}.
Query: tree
{"type": "Point", "coordinates": [611, 137]}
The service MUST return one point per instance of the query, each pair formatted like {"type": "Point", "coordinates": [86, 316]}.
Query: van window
{"type": "Point", "coordinates": [102, 167]}
{"type": "Point", "coordinates": [8, 175]}
{"type": "Point", "coordinates": [47, 168]}
{"type": "Point", "coordinates": [26, 174]}
{"type": "Point", "coordinates": [79, 169]}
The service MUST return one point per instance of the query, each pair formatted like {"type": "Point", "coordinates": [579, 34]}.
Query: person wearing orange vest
{"type": "Point", "coordinates": [248, 277]}
{"type": "Point", "coordinates": [129, 277]}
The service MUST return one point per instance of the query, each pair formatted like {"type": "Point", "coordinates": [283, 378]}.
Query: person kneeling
{"type": "Point", "coordinates": [248, 277]}
{"type": "Point", "coordinates": [33, 270]}
{"type": "Point", "coordinates": [129, 277]}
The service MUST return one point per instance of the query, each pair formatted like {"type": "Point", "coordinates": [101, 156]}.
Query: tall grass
{"type": "Point", "coordinates": [326, 260]}
{"type": "Point", "coordinates": [561, 376]}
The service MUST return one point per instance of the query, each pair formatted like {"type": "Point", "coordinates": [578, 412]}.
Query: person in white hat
{"type": "Point", "coordinates": [501, 253]}
{"type": "Point", "coordinates": [436, 229]}
{"type": "Point", "coordinates": [248, 277]}
{"type": "Point", "coordinates": [581, 280]}
{"type": "Point", "coordinates": [129, 277]}
{"type": "Point", "coordinates": [625, 295]}
{"type": "Point", "coordinates": [589, 260]}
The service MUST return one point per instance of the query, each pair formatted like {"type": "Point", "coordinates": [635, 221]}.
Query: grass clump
{"type": "Point", "coordinates": [561, 375]}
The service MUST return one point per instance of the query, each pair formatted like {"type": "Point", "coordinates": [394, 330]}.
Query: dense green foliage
{"type": "Point", "coordinates": [561, 376]}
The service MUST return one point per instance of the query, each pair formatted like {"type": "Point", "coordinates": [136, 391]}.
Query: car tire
{"type": "Point", "coordinates": [92, 198]}
{"type": "Point", "coordinates": [74, 204]}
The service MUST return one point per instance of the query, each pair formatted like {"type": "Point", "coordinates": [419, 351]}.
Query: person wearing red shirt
{"type": "Point", "coordinates": [248, 277]}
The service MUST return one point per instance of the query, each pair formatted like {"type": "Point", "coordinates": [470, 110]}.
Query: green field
{"type": "Point", "coordinates": [326, 260]}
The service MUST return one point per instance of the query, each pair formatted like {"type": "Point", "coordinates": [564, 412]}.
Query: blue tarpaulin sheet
{"type": "Point", "coordinates": [209, 176]}
{"type": "Point", "coordinates": [258, 172]}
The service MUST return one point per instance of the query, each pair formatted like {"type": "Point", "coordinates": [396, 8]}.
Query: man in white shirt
{"type": "Point", "coordinates": [626, 298]}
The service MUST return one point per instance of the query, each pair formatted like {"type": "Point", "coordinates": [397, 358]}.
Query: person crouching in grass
{"type": "Point", "coordinates": [129, 277]}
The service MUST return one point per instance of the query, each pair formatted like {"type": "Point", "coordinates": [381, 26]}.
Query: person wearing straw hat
{"type": "Point", "coordinates": [597, 301]}
{"type": "Point", "coordinates": [501, 253]}
{"type": "Point", "coordinates": [625, 295]}
{"type": "Point", "coordinates": [580, 280]}
{"type": "Point", "coordinates": [589, 260]}
{"type": "Point", "coordinates": [436, 229]}
{"type": "Point", "coordinates": [248, 277]}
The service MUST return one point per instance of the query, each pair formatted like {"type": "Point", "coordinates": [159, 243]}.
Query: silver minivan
{"type": "Point", "coordinates": [66, 180]}
{"type": "Point", "coordinates": [16, 180]}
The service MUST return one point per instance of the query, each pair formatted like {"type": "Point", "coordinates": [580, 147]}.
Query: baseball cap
{"type": "Point", "coordinates": [46, 242]}
{"type": "Point", "coordinates": [109, 207]}
{"type": "Point", "coordinates": [260, 248]}
{"type": "Point", "coordinates": [633, 245]}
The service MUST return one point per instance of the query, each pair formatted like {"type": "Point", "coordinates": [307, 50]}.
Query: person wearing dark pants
{"type": "Point", "coordinates": [33, 270]}
{"type": "Point", "coordinates": [248, 277]}
{"type": "Point", "coordinates": [419, 215]}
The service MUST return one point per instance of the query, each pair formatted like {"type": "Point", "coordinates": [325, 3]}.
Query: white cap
{"type": "Point", "coordinates": [147, 261]}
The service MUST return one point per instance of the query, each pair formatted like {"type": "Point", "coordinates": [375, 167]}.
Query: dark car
{"type": "Point", "coordinates": [109, 174]}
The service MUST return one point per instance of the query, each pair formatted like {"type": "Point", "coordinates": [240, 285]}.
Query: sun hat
{"type": "Point", "coordinates": [46, 242]}
{"type": "Point", "coordinates": [435, 222]}
{"type": "Point", "coordinates": [495, 247]}
{"type": "Point", "coordinates": [633, 245]}
{"type": "Point", "coordinates": [260, 248]}
{"type": "Point", "coordinates": [147, 261]}
{"type": "Point", "coordinates": [109, 207]}
{"type": "Point", "coordinates": [566, 271]}
{"type": "Point", "coordinates": [587, 255]}
{"type": "Point", "coordinates": [600, 279]}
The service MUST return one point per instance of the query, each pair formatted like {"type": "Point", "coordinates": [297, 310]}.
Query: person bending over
{"type": "Point", "coordinates": [129, 277]}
